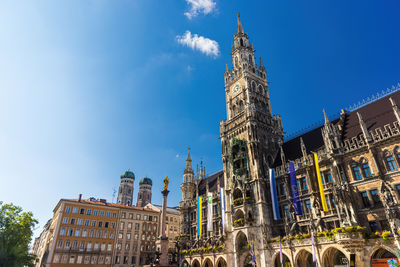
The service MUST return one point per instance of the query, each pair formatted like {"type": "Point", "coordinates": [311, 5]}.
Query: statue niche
{"type": "Point", "coordinates": [239, 157]}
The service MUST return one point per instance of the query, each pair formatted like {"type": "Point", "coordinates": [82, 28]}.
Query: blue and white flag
{"type": "Point", "coordinates": [222, 196]}
{"type": "Point", "coordinates": [295, 190]}
{"type": "Point", "coordinates": [274, 197]}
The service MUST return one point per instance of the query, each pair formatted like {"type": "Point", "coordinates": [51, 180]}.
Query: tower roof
{"type": "Point", "coordinates": [128, 174]}
{"type": "Point", "coordinates": [188, 161]}
{"type": "Point", "coordinates": [240, 27]}
{"type": "Point", "coordinates": [146, 180]}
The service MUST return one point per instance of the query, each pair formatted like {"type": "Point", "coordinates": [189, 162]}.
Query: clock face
{"type": "Point", "coordinates": [236, 88]}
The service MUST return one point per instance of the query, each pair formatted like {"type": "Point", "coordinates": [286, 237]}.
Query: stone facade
{"type": "Point", "coordinates": [359, 159]}
{"type": "Point", "coordinates": [137, 233]}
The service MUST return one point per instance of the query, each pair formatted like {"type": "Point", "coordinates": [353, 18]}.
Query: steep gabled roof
{"type": "Point", "coordinates": [212, 183]}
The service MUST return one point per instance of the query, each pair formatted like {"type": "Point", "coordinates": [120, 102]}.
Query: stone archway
{"type": "Point", "coordinates": [221, 262]}
{"type": "Point", "coordinates": [285, 261]}
{"type": "Point", "coordinates": [195, 263]}
{"type": "Point", "coordinates": [304, 259]}
{"type": "Point", "coordinates": [207, 263]}
{"type": "Point", "coordinates": [241, 244]}
{"type": "Point", "coordinates": [248, 261]}
{"type": "Point", "coordinates": [333, 257]}
{"type": "Point", "coordinates": [383, 255]}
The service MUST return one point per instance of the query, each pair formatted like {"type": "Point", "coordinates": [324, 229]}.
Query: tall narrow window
{"type": "Point", "coordinates": [375, 197]}
{"type": "Point", "coordinates": [365, 200]}
{"type": "Point", "coordinates": [366, 170]}
{"type": "Point", "coordinates": [391, 163]}
{"type": "Point", "coordinates": [357, 173]}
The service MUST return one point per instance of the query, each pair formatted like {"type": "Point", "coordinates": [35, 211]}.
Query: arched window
{"type": "Point", "coordinates": [241, 42]}
{"type": "Point", "coordinates": [250, 60]}
{"type": "Point", "coordinates": [253, 86]}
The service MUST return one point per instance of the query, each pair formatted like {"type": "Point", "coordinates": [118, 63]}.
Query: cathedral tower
{"type": "Point", "coordinates": [188, 186]}
{"type": "Point", "coordinates": [125, 192]}
{"type": "Point", "coordinates": [144, 194]}
{"type": "Point", "coordinates": [250, 139]}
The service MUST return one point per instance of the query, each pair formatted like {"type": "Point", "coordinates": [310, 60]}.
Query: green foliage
{"type": "Point", "coordinates": [15, 235]}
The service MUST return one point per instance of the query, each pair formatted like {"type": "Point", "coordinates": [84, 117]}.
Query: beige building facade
{"type": "Point", "coordinates": [138, 229]}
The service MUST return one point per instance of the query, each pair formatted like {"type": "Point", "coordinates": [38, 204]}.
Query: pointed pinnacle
{"type": "Point", "coordinates": [326, 117]}
{"type": "Point", "coordinates": [239, 24]}
{"type": "Point", "coordinates": [261, 64]}
{"type": "Point", "coordinates": [226, 67]}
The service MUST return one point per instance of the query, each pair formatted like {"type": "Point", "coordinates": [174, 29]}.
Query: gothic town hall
{"type": "Point", "coordinates": [343, 208]}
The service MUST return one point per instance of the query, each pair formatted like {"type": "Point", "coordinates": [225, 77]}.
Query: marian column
{"type": "Point", "coordinates": [162, 242]}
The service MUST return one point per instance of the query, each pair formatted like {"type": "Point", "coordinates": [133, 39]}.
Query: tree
{"type": "Point", "coordinates": [15, 235]}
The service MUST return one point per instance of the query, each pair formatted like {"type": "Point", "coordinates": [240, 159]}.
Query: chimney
{"type": "Point", "coordinates": [80, 197]}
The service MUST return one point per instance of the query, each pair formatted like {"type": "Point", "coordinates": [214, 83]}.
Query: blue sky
{"type": "Point", "coordinates": [89, 89]}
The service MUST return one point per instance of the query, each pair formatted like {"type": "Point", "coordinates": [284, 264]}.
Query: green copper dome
{"type": "Point", "coordinates": [128, 174]}
{"type": "Point", "coordinates": [146, 180]}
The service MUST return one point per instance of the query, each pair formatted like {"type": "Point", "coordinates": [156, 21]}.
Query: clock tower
{"type": "Point", "coordinates": [250, 139]}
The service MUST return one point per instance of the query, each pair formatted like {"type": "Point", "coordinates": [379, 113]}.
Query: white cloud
{"type": "Point", "coordinates": [196, 42]}
{"type": "Point", "coordinates": [200, 6]}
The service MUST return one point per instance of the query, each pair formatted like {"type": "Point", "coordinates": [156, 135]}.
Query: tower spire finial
{"type": "Point", "coordinates": [326, 117]}
{"type": "Point", "coordinates": [239, 24]}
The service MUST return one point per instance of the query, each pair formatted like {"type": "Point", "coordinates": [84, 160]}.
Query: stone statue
{"type": "Point", "coordinates": [166, 182]}
{"type": "Point", "coordinates": [388, 199]}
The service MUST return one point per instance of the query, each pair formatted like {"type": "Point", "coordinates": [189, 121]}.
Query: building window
{"type": "Point", "coordinates": [94, 223]}
{"type": "Point", "coordinates": [86, 222]}
{"type": "Point", "coordinates": [56, 258]}
{"type": "Point", "coordinates": [102, 213]}
{"type": "Point", "coordinates": [365, 200]}
{"type": "Point", "coordinates": [67, 210]}
{"type": "Point", "coordinates": [79, 259]}
{"type": "Point", "coordinates": [65, 220]}
{"type": "Point", "coordinates": [133, 260]}
{"type": "Point", "coordinates": [78, 232]}
{"type": "Point", "coordinates": [143, 237]}
{"type": "Point", "coordinates": [82, 247]}
{"type": "Point", "coordinates": [137, 216]}
{"type": "Point", "coordinates": [302, 184]}
{"type": "Point", "coordinates": [114, 215]}
{"type": "Point", "coordinates": [79, 222]}
{"type": "Point", "coordinates": [82, 211]}
{"type": "Point", "coordinates": [84, 233]}
{"type": "Point", "coordinates": [75, 210]}
{"type": "Point", "coordinates": [75, 244]}
{"type": "Point", "coordinates": [108, 213]}
{"type": "Point", "coordinates": [123, 215]}
{"type": "Point", "coordinates": [109, 247]}
{"type": "Point", "coordinates": [87, 260]}
{"type": "Point", "coordinates": [145, 218]}
{"type": "Point", "coordinates": [72, 221]}
{"type": "Point", "coordinates": [106, 224]}
{"type": "Point", "coordinates": [89, 212]}
{"type": "Point", "coordinates": [366, 170]}
{"type": "Point", "coordinates": [374, 226]}
{"type": "Point", "coordinates": [70, 232]}
{"type": "Point", "coordinates": [67, 244]}
{"type": "Point", "coordinates": [59, 243]}
{"type": "Point", "coordinates": [122, 226]}
{"type": "Point", "coordinates": [101, 259]}
{"type": "Point", "coordinates": [375, 197]}
{"type": "Point", "coordinates": [95, 212]}
{"type": "Point", "coordinates": [307, 205]}
{"type": "Point", "coordinates": [328, 176]}
{"type": "Point", "coordinates": [357, 173]}
{"type": "Point", "coordinates": [126, 259]}
{"type": "Point", "coordinates": [391, 163]}
{"type": "Point", "coordinates": [128, 236]}
{"type": "Point", "coordinates": [100, 224]}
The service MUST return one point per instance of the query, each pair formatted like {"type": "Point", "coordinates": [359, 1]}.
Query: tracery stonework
{"type": "Point", "coordinates": [359, 159]}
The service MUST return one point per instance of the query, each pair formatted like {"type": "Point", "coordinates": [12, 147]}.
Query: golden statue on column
{"type": "Point", "coordinates": [166, 182]}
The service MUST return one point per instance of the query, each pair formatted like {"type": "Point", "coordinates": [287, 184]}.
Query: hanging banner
{"type": "Point", "coordinates": [314, 255]}
{"type": "Point", "coordinates": [274, 197]}
{"type": "Point", "coordinates": [209, 212]}
{"type": "Point", "coordinates": [320, 185]}
{"type": "Point", "coordinates": [254, 256]}
{"type": "Point", "coordinates": [222, 197]}
{"type": "Point", "coordinates": [199, 217]}
{"type": "Point", "coordinates": [295, 190]}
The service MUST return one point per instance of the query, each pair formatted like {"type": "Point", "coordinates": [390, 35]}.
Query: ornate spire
{"type": "Point", "coordinates": [226, 67]}
{"type": "Point", "coordinates": [188, 161]}
{"type": "Point", "coordinates": [261, 64]}
{"type": "Point", "coordinates": [364, 128]}
{"type": "Point", "coordinates": [326, 117]}
{"type": "Point", "coordinates": [303, 148]}
{"type": "Point", "coordinates": [239, 25]}
{"type": "Point", "coordinates": [395, 109]}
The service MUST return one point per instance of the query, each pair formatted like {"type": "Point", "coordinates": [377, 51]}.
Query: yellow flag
{"type": "Point", "coordinates": [321, 187]}
{"type": "Point", "coordinates": [200, 214]}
